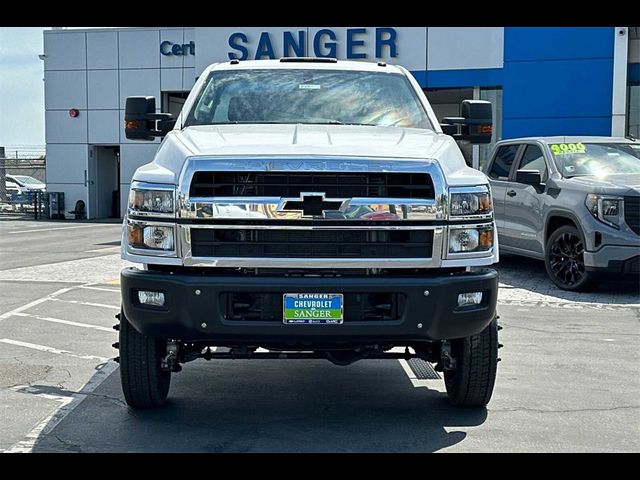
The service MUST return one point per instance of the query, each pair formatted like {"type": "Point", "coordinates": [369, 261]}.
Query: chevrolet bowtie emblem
{"type": "Point", "coordinates": [313, 204]}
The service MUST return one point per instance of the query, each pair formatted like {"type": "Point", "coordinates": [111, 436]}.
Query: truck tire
{"type": "Point", "coordinates": [564, 260]}
{"type": "Point", "coordinates": [471, 383]}
{"type": "Point", "coordinates": [144, 383]}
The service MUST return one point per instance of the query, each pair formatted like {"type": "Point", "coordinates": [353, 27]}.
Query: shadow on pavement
{"type": "Point", "coordinates": [269, 406]}
{"type": "Point", "coordinates": [530, 274]}
{"type": "Point", "coordinates": [61, 222]}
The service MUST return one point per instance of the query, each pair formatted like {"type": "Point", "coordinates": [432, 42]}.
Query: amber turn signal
{"type": "Point", "coordinates": [486, 238]}
{"type": "Point", "coordinates": [136, 235]}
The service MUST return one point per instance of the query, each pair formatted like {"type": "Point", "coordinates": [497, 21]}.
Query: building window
{"type": "Point", "coordinates": [633, 110]}
{"type": "Point", "coordinates": [446, 103]}
{"type": "Point", "coordinates": [633, 84]}
{"type": "Point", "coordinates": [494, 95]}
{"type": "Point", "coordinates": [172, 102]}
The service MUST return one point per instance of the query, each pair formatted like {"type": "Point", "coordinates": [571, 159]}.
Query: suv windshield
{"type": "Point", "coordinates": [308, 96]}
{"type": "Point", "coordinates": [26, 180]}
{"type": "Point", "coordinates": [599, 159]}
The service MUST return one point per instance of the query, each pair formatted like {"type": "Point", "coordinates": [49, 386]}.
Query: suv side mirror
{"type": "Point", "coordinates": [140, 119]}
{"type": "Point", "coordinates": [529, 177]}
{"type": "Point", "coordinates": [475, 124]}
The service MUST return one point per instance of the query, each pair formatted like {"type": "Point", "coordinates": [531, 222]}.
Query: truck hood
{"type": "Point", "coordinates": [289, 140]}
{"type": "Point", "coordinates": [298, 139]}
{"type": "Point", "coordinates": [620, 183]}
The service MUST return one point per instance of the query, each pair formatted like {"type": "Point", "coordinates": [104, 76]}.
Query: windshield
{"type": "Point", "coordinates": [26, 180]}
{"type": "Point", "coordinates": [599, 159]}
{"type": "Point", "coordinates": [308, 96]}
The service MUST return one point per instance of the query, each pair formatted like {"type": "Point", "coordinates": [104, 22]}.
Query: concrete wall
{"type": "Point", "coordinates": [94, 71]}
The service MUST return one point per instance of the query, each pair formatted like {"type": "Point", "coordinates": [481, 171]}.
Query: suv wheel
{"type": "Point", "coordinates": [471, 383]}
{"type": "Point", "coordinates": [144, 383]}
{"type": "Point", "coordinates": [564, 260]}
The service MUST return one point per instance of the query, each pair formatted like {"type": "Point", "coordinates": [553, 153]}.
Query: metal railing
{"type": "Point", "coordinates": [25, 205]}
{"type": "Point", "coordinates": [19, 200]}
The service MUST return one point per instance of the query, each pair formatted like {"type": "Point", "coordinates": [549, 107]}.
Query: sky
{"type": "Point", "coordinates": [21, 86]}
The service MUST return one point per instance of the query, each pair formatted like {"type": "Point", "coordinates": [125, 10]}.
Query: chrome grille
{"type": "Point", "coordinates": [292, 184]}
{"type": "Point", "coordinates": [632, 213]}
{"type": "Point", "coordinates": [243, 212]}
{"type": "Point", "coordinates": [273, 243]}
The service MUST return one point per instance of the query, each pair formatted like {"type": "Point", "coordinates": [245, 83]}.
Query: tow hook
{"type": "Point", "coordinates": [448, 362]}
{"type": "Point", "coordinates": [171, 361]}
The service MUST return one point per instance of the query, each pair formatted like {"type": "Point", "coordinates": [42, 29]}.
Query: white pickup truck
{"type": "Point", "coordinates": [308, 208]}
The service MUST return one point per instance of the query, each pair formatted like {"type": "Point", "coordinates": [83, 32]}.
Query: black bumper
{"type": "Point", "coordinates": [620, 270]}
{"type": "Point", "coordinates": [191, 317]}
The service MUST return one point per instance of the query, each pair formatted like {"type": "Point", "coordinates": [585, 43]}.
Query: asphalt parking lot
{"type": "Point", "coordinates": [569, 379]}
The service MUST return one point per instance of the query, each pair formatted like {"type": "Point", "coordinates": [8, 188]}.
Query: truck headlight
{"type": "Point", "coordinates": [151, 237]}
{"type": "Point", "coordinates": [463, 240]}
{"type": "Point", "coordinates": [151, 200]}
{"type": "Point", "coordinates": [470, 201]}
{"type": "Point", "coordinates": [606, 209]}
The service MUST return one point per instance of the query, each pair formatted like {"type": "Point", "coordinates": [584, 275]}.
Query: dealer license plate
{"type": "Point", "coordinates": [312, 307]}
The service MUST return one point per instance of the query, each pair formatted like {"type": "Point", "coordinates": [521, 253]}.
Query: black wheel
{"type": "Point", "coordinates": [564, 260]}
{"type": "Point", "coordinates": [144, 383]}
{"type": "Point", "coordinates": [471, 383]}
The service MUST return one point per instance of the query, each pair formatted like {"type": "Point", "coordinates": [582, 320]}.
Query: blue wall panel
{"type": "Point", "coordinates": [634, 73]}
{"type": "Point", "coordinates": [557, 81]}
{"type": "Point", "coordinates": [564, 88]}
{"type": "Point", "coordinates": [555, 43]}
{"type": "Point", "coordinates": [525, 127]}
{"type": "Point", "coordinates": [421, 77]}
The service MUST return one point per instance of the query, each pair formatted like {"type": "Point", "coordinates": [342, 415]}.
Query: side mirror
{"type": "Point", "coordinates": [140, 119]}
{"type": "Point", "coordinates": [449, 129]}
{"type": "Point", "coordinates": [475, 125]}
{"type": "Point", "coordinates": [529, 177]}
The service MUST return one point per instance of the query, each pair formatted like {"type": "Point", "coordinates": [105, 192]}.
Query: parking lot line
{"type": "Point", "coordinates": [38, 301]}
{"type": "Point", "coordinates": [101, 289]}
{"type": "Point", "coordinates": [64, 322]}
{"type": "Point", "coordinates": [44, 348]}
{"type": "Point", "coordinates": [89, 304]}
{"type": "Point", "coordinates": [69, 403]}
{"type": "Point", "coordinates": [56, 228]}
{"type": "Point", "coordinates": [26, 445]}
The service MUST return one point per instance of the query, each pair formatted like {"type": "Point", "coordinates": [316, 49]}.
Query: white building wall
{"type": "Point", "coordinates": [94, 71]}
{"type": "Point", "coordinates": [459, 48]}
{"type": "Point", "coordinates": [102, 50]}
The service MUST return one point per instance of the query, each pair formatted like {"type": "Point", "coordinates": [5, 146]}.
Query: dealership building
{"type": "Point", "coordinates": [540, 80]}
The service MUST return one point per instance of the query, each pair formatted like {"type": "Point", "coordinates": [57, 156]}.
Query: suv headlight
{"type": "Point", "coordinates": [142, 235]}
{"type": "Point", "coordinates": [470, 202]}
{"type": "Point", "coordinates": [151, 238]}
{"type": "Point", "coordinates": [152, 200]}
{"type": "Point", "coordinates": [607, 209]}
{"type": "Point", "coordinates": [148, 236]}
{"type": "Point", "coordinates": [478, 239]}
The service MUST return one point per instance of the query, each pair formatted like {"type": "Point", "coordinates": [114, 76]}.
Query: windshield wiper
{"type": "Point", "coordinates": [236, 122]}
{"type": "Point", "coordinates": [243, 122]}
{"type": "Point", "coordinates": [338, 122]}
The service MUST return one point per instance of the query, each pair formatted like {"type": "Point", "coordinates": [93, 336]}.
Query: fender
{"type": "Point", "coordinates": [568, 214]}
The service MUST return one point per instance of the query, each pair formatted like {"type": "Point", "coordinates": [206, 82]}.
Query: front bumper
{"type": "Point", "coordinates": [194, 317]}
{"type": "Point", "coordinates": [614, 261]}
